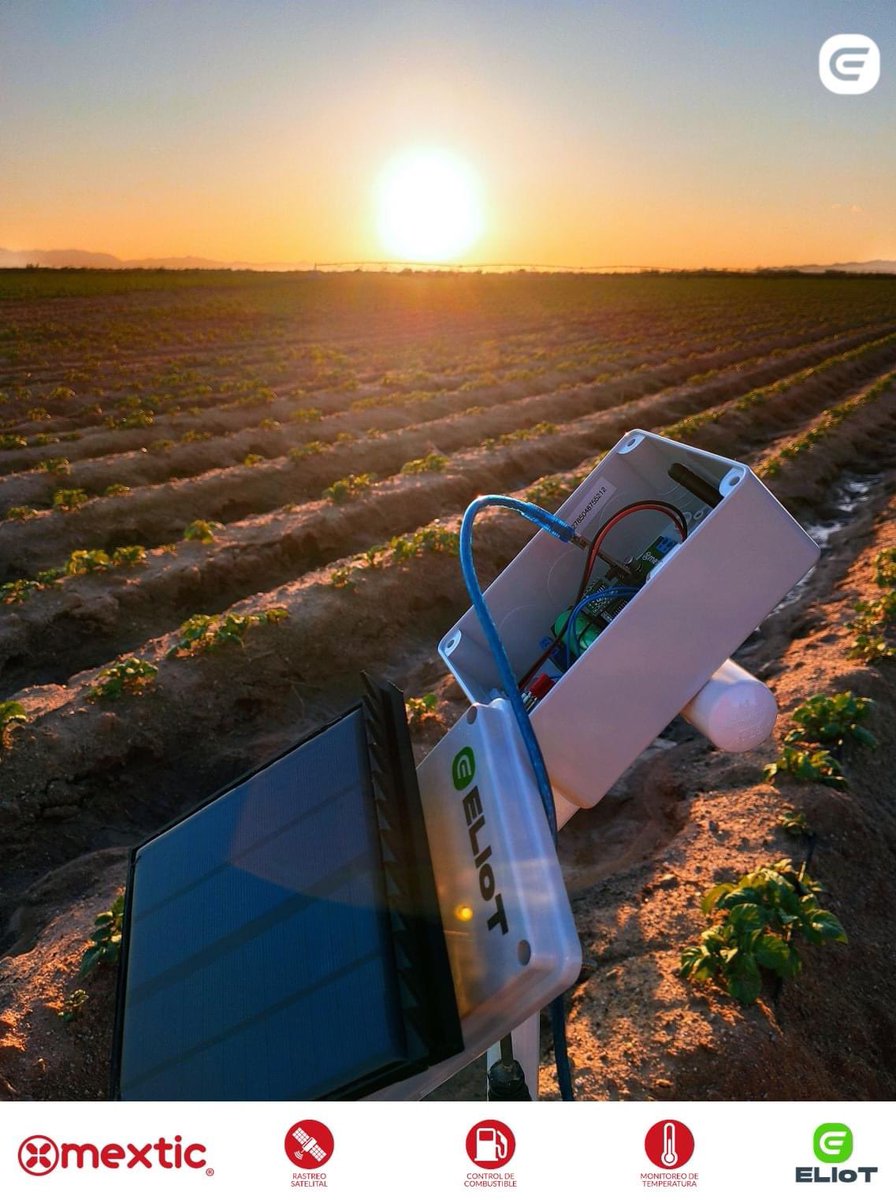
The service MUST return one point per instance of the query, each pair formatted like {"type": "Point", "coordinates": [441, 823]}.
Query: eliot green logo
{"type": "Point", "coordinates": [832, 1143]}
{"type": "Point", "coordinates": [463, 768]}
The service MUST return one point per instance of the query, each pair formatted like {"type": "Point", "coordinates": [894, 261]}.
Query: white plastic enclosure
{"type": "Point", "coordinates": [740, 558]}
{"type": "Point", "coordinates": [511, 937]}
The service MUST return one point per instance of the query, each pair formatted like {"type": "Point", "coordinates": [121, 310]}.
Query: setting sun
{"type": "Point", "coordinates": [429, 206]}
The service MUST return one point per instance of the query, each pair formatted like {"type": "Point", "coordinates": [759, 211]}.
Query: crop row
{"type": "Point", "coordinates": [157, 514]}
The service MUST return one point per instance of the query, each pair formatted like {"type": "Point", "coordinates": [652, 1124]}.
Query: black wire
{"type": "Point", "coordinates": [589, 567]}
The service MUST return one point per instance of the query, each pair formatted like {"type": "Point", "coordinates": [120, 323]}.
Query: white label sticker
{"type": "Point", "coordinates": [598, 499]}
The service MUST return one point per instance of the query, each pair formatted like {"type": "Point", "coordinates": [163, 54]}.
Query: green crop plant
{"type": "Point", "coordinates": [348, 488]}
{"type": "Point", "coordinates": [759, 919]}
{"type": "Point", "coordinates": [195, 435]}
{"type": "Point", "coordinates": [62, 394]}
{"type": "Point", "coordinates": [419, 466]}
{"type": "Point", "coordinates": [795, 823]}
{"type": "Point", "coordinates": [806, 765]}
{"type": "Point", "coordinates": [253, 460]}
{"type": "Point", "coordinates": [12, 441]}
{"type": "Point", "coordinates": [203, 632]}
{"type": "Point", "coordinates": [55, 466]}
{"type": "Point", "coordinates": [422, 710]}
{"type": "Point", "coordinates": [116, 489]}
{"type": "Point", "coordinates": [202, 531]}
{"type": "Point", "coordinates": [105, 939]}
{"type": "Point", "coordinates": [192, 633]}
{"type": "Point", "coordinates": [72, 1005]}
{"type": "Point", "coordinates": [831, 721]}
{"type": "Point", "coordinates": [304, 416]}
{"type": "Point", "coordinates": [430, 538]}
{"type": "Point", "coordinates": [885, 568]}
{"type": "Point", "coordinates": [130, 675]}
{"type": "Point", "coordinates": [17, 591]}
{"type": "Point", "coordinates": [85, 562]}
{"type": "Point", "coordinates": [546, 490]}
{"type": "Point", "coordinates": [297, 453]}
{"type": "Point", "coordinates": [346, 435]}
{"type": "Point", "coordinates": [871, 629]}
{"type": "Point", "coordinates": [68, 499]}
{"type": "Point", "coordinates": [37, 414]}
{"type": "Point", "coordinates": [342, 577]}
{"type": "Point", "coordinates": [141, 419]}
{"type": "Point", "coordinates": [12, 714]}
{"type": "Point", "coordinates": [128, 556]}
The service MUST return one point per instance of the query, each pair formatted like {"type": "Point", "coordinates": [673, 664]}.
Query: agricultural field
{"type": "Point", "coordinates": [224, 494]}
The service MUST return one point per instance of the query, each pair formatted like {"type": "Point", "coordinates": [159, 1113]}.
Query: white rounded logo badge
{"type": "Point", "coordinates": [849, 64]}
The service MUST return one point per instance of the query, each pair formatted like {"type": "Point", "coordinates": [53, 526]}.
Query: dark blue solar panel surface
{"type": "Point", "coordinates": [259, 960]}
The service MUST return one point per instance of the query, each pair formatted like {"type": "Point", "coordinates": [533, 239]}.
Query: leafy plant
{"type": "Point", "coordinates": [72, 1005]}
{"type": "Point", "coordinates": [348, 488]}
{"type": "Point", "coordinates": [131, 675]}
{"type": "Point", "coordinates": [128, 556]}
{"type": "Point", "coordinates": [253, 460]}
{"type": "Point", "coordinates": [20, 512]}
{"type": "Point", "coordinates": [429, 538]}
{"type": "Point", "coordinates": [419, 466]}
{"type": "Point", "coordinates": [342, 577]}
{"type": "Point", "coordinates": [201, 531]}
{"type": "Point", "coordinates": [68, 499]}
{"type": "Point", "coordinates": [297, 453]}
{"type": "Point", "coordinates": [204, 632]}
{"type": "Point", "coordinates": [84, 562]}
{"type": "Point", "coordinates": [11, 714]}
{"type": "Point", "coordinates": [871, 629]}
{"type": "Point", "coordinates": [12, 441]}
{"type": "Point", "coordinates": [105, 940]}
{"type": "Point", "coordinates": [761, 915]}
{"type": "Point", "coordinates": [806, 765]}
{"type": "Point", "coordinates": [422, 709]}
{"type": "Point", "coordinates": [55, 466]}
{"type": "Point", "coordinates": [795, 823]}
{"type": "Point", "coordinates": [116, 489]}
{"type": "Point", "coordinates": [304, 416]}
{"type": "Point", "coordinates": [885, 567]}
{"type": "Point", "coordinates": [832, 720]}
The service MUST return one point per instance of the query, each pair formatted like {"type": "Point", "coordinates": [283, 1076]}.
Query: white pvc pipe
{"type": "Point", "coordinates": [733, 709]}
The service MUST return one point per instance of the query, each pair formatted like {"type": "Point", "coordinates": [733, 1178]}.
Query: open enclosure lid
{"type": "Point", "coordinates": [284, 940]}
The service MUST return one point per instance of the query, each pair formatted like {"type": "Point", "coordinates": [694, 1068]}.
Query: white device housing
{"type": "Point", "coordinates": [488, 817]}
{"type": "Point", "coordinates": [740, 558]}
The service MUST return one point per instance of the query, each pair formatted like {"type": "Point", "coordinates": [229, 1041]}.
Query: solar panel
{"type": "Point", "coordinates": [283, 941]}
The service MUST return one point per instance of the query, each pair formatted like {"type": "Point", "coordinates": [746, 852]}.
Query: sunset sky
{"type": "Point", "coordinates": [657, 132]}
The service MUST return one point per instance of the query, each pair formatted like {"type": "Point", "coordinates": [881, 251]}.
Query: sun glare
{"type": "Point", "coordinates": [429, 206]}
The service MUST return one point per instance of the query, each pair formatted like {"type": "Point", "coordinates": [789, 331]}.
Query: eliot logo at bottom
{"type": "Point", "coordinates": [833, 1143]}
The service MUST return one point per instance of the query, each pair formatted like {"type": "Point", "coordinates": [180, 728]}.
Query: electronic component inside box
{"type": "Point", "coordinates": [608, 643]}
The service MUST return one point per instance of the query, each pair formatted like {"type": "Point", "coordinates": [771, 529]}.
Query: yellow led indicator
{"type": "Point", "coordinates": [463, 912]}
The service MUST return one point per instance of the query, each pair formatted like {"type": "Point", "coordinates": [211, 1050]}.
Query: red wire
{"type": "Point", "coordinates": [628, 510]}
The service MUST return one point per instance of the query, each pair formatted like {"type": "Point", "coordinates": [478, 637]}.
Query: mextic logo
{"type": "Point", "coordinates": [39, 1155]}
{"type": "Point", "coordinates": [849, 64]}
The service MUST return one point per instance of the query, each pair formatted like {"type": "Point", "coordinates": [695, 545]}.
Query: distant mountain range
{"type": "Point", "coordinates": [886, 266]}
{"type": "Point", "coordinates": [91, 258]}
